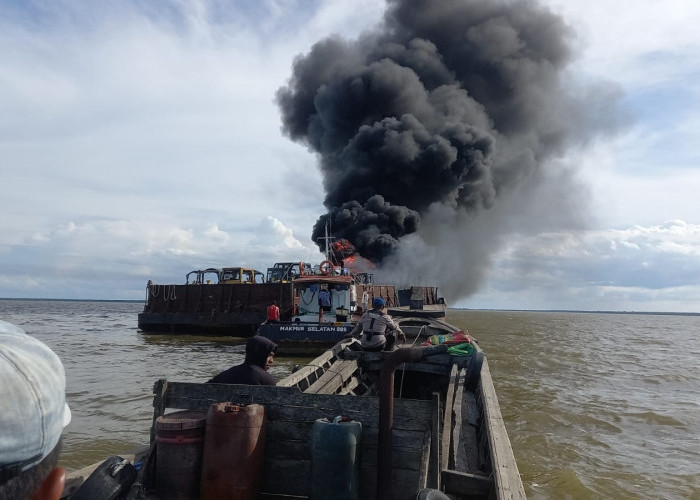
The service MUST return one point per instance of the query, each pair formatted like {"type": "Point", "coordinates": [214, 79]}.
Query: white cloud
{"type": "Point", "coordinates": [637, 268]}
{"type": "Point", "coordinates": [141, 141]}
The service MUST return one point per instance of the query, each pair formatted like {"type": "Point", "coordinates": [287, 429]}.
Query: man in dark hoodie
{"type": "Point", "coordinates": [259, 356]}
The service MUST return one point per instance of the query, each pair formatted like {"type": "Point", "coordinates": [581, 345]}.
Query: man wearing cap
{"type": "Point", "coordinates": [378, 330]}
{"type": "Point", "coordinates": [34, 413]}
{"type": "Point", "coordinates": [259, 356]}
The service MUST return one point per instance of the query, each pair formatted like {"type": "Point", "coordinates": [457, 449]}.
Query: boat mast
{"type": "Point", "coordinates": [326, 240]}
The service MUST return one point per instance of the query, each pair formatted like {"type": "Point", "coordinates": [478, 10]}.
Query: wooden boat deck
{"type": "Point", "coordinates": [447, 431]}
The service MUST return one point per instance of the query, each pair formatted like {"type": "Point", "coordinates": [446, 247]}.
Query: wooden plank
{"type": "Point", "coordinates": [287, 430]}
{"type": "Point", "coordinates": [286, 402]}
{"type": "Point", "coordinates": [473, 409]}
{"type": "Point", "coordinates": [447, 422]}
{"type": "Point", "coordinates": [273, 496]}
{"type": "Point", "coordinates": [406, 458]}
{"type": "Point", "coordinates": [403, 484]}
{"type": "Point", "coordinates": [285, 449]}
{"type": "Point", "coordinates": [350, 386]}
{"type": "Point", "coordinates": [425, 367]}
{"type": "Point", "coordinates": [455, 448]}
{"type": "Point", "coordinates": [312, 370]}
{"type": "Point", "coordinates": [160, 389]}
{"type": "Point", "coordinates": [290, 477]}
{"type": "Point", "coordinates": [424, 461]}
{"type": "Point", "coordinates": [462, 483]}
{"type": "Point", "coordinates": [505, 470]}
{"type": "Point", "coordinates": [468, 438]}
{"type": "Point", "coordinates": [333, 378]}
{"type": "Point", "coordinates": [433, 470]}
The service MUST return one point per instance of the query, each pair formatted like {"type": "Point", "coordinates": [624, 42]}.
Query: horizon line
{"type": "Point", "coordinates": [586, 311]}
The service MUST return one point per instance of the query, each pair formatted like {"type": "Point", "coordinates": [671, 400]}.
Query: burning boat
{"type": "Point", "coordinates": [328, 303]}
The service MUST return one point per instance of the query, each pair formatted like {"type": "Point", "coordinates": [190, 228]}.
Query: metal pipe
{"type": "Point", "coordinates": [386, 409]}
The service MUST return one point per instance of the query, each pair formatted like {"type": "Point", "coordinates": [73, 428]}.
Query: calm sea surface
{"type": "Point", "coordinates": [596, 405]}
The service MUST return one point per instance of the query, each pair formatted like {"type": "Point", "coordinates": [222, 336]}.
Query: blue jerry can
{"type": "Point", "coordinates": [335, 464]}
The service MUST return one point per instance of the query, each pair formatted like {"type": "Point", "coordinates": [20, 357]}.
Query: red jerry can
{"type": "Point", "coordinates": [234, 451]}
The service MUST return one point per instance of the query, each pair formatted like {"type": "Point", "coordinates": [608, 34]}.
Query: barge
{"type": "Point", "coordinates": [234, 301]}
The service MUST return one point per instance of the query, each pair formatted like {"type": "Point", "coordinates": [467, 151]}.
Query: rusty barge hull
{"type": "Point", "coordinates": [212, 309]}
{"type": "Point", "coordinates": [232, 324]}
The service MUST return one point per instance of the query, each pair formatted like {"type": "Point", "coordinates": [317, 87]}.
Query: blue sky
{"type": "Point", "coordinates": [141, 140]}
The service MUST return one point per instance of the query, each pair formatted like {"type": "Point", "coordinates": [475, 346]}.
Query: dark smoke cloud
{"type": "Point", "coordinates": [448, 109]}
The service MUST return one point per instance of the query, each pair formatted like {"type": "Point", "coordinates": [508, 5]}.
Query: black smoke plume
{"type": "Point", "coordinates": [437, 131]}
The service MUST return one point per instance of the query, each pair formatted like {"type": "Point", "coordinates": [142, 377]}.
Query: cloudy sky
{"type": "Point", "coordinates": [141, 140]}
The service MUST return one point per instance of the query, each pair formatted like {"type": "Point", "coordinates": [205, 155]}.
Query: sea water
{"type": "Point", "coordinates": [596, 405]}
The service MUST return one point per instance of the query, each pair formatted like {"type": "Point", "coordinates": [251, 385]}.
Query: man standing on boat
{"type": "Point", "coordinates": [259, 356]}
{"type": "Point", "coordinates": [324, 302]}
{"type": "Point", "coordinates": [273, 313]}
{"type": "Point", "coordinates": [379, 331]}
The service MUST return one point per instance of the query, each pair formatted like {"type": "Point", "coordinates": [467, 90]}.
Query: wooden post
{"type": "Point", "coordinates": [434, 468]}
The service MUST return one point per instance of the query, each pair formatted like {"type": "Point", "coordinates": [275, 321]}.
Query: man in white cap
{"type": "Point", "coordinates": [34, 413]}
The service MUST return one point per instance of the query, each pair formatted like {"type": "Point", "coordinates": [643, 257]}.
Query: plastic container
{"type": "Point", "coordinates": [335, 463]}
{"type": "Point", "coordinates": [234, 451]}
{"type": "Point", "coordinates": [179, 447]}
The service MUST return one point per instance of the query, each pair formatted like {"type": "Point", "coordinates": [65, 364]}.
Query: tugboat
{"type": "Point", "coordinates": [328, 300]}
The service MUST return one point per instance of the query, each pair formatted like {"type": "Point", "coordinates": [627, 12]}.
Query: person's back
{"type": "Point", "coordinates": [378, 329]}
{"type": "Point", "coordinates": [259, 355]}
{"type": "Point", "coordinates": [273, 312]}
{"type": "Point", "coordinates": [34, 413]}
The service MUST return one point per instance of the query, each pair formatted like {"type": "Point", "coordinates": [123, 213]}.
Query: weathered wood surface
{"type": "Point", "coordinates": [447, 421]}
{"type": "Point", "coordinates": [334, 378]}
{"type": "Point", "coordinates": [290, 418]}
{"type": "Point", "coordinates": [468, 459]}
{"type": "Point", "coordinates": [309, 373]}
{"type": "Point", "coordinates": [457, 415]}
{"type": "Point", "coordinates": [434, 465]}
{"type": "Point", "coordinates": [218, 298]}
{"type": "Point", "coordinates": [505, 470]}
{"type": "Point", "coordinates": [462, 482]}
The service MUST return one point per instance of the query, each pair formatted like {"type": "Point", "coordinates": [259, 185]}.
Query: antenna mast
{"type": "Point", "coordinates": [327, 240]}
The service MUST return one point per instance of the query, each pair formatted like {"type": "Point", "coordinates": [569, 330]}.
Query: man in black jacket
{"type": "Point", "coordinates": [259, 356]}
